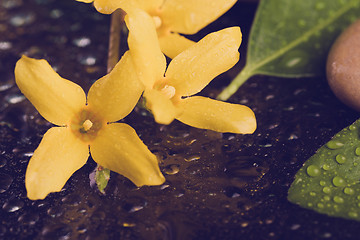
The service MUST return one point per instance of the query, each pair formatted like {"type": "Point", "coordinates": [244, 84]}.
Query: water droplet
{"type": "Point", "coordinates": [5, 182]}
{"type": "Point", "coordinates": [87, 60]}
{"type": "Point", "coordinates": [29, 218]}
{"type": "Point", "coordinates": [55, 211]}
{"type": "Point", "coordinates": [357, 151]}
{"type": "Point", "coordinates": [313, 194]}
{"type": "Point", "coordinates": [352, 127]}
{"type": "Point", "coordinates": [338, 199]}
{"type": "Point", "coordinates": [348, 191]}
{"type": "Point", "coordinates": [320, 205]}
{"type": "Point", "coordinates": [341, 159]}
{"type": "Point", "coordinates": [313, 171]}
{"type": "Point", "coordinates": [57, 231]}
{"type": "Point", "coordinates": [56, 13]}
{"type": "Point", "coordinates": [13, 205]}
{"type": "Point", "coordinates": [134, 204]}
{"type": "Point", "coordinates": [334, 144]}
{"type": "Point", "coordinates": [192, 158]}
{"type": "Point", "coordinates": [322, 183]}
{"type": "Point", "coordinates": [353, 214]}
{"type": "Point", "coordinates": [16, 98]}
{"type": "Point", "coordinates": [293, 62]}
{"type": "Point", "coordinates": [81, 229]}
{"type": "Point", "coordinates": [338, 181]}
{"type": "Point", "coordinates": [128, 224]}
{"type": "Point", "coordinates": [327, 190]}
{"type": "Point", "coordinates": [172, 169]}
{"type": "Point", "coordinates": [2, 164]}
{"type": "Point", "coordinates": [326, 167]}
{"type": "Point", "coordinates": [22, 19]}
{"type": "Point", "coordinates": [71, 200]}
{"type": "Point", "coordinates": [326, 198]}
{"type": "Point", "coordinates": [11, 3]}
{"type": "Point", "coordinates": [5, 45]}
{"type": "Point", "coordinates": [82, 42]}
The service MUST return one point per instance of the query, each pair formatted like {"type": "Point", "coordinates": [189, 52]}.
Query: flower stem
{"type": "Point", "coordinates": [117, 20]}
{"type": "Point", "coordinates": [227, 92]}
{"type": "Point", "coordinates": [102, 175]}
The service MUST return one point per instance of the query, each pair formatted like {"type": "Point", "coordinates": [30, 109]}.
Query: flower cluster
{"type": "Point", "coordinates": [88, 124]}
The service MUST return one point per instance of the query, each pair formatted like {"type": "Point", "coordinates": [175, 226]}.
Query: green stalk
{"type": "Point", "coordinates": [102, 175]}
{"type": "Point", "coordinates": [244, 75]}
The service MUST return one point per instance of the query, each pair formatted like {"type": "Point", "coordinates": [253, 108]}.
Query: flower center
{"type": "Point", "coordinates": [168, 91]}
{"type": "Point", "coordinates": [157, 21]}
{"type": "Point", "coordinates": [85, 125]}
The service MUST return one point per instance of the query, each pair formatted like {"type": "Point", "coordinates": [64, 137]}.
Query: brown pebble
{"type": "Point", "coordinates": [343, 66]}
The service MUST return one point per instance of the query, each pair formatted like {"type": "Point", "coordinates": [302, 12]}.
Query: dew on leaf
{"type": "Point", "coordinates": [313, 171]}
{"type": "Point", "coordinates": [338, 181]}
{"type": "Point", "coordinates": [353, 214]}
{"type": "Point", "coordinates": [327, 190]}
{"type": "Point", "coordinates": [341, 159]}
{"type": "Point", "coordinates": [348, 191]}
{"type": "Point", "coordinates": [334, 144]}
{"type": "Point", "coordinates": [338, 199]}
{"type": "Point", "coordinates": [357, 151]}
{"type": "Point", "coordinates": [326, 167]}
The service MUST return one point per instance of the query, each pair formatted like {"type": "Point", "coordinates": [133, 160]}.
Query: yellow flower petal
{"type": "Point", "coordinates": [206, 113]}
{"type": "Point", "coordinates": [161, 106]}
{"type": "Point", "coordinates": [109, 6]}
{"type": "Point", "coordinates": [56, 98]}
{"type": "Point", "coordinates": [118, 148]}
{"type": "Point", "coordinates": [144, 47]}
{"type": "Point", "coordinates": [115, 95]}
{"type": "Point", "coordinates": [149, 5]}
{"type": "Point", "coordinates": [189, 16]}
{"type": "Point", "coordinates": [190, 71]}
{"type": "Point", "coordinates": [173, 44]}
{"type": "Point", "coordinates": [85, 1]}
{"type": "Point", "coordinates": [58, 156]}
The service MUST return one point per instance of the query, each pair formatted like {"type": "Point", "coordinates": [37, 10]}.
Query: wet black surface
{"type": "Point", "coordinates": [219, 186]}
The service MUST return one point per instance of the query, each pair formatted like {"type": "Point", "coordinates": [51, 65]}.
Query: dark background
{"type": "Point", "coordinates": [219, 186]}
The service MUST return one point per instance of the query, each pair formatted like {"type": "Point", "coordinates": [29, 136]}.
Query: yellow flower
{"type": "Point", "coordinates": [172, 17]}
{"type": "Point", "coordinates": [85, 124]}
{"type": "Point", "coordinates": [169, 94]}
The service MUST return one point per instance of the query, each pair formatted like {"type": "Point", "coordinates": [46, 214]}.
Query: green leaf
{"type": "Point", "coordinates": [292, 38]}
{"type": "Point", "coordinates": [102, 177]}
{"type": "Point", "coordinates": [329, 181]}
